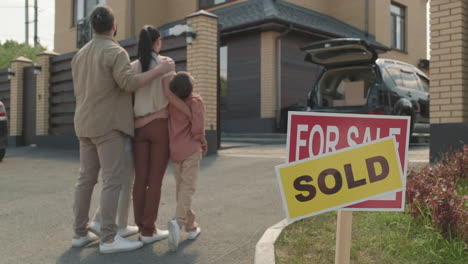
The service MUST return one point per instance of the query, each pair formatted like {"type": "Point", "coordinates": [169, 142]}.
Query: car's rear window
{"type": "Point", "coordinates": [345, 87]}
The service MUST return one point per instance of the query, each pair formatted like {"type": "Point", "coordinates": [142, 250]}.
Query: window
{"type": "Point", "coordinates": [223, 65]}
{"type": "Point", "coordinates": [210, 3]}
{"type": "Point", "coordinates": [398, 27]}
{"type": "Point", "coordinates": [405, 79]}
{"type": "Point", "coordinates": [346, 87]}
{"type": "Point", "coordinates": [395, 74]}
{"type": "Point", "coordinates": [424, 83]}
{"type": "Point", "coordinates": [83, 8]}
{"type": "Point", "coordinates": [410, 80]}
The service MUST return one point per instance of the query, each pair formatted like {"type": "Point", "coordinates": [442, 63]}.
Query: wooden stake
{"type": "Point", "coordinates": [344, 225]}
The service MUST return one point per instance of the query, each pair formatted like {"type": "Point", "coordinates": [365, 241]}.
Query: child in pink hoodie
{"type": "Point", "coordinates": [187, 145]}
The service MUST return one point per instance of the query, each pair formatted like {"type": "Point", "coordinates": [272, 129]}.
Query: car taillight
{"type": "Point", "coordinates": [376, 113]}
{"type": "Point", "coordinates": [2, 111]}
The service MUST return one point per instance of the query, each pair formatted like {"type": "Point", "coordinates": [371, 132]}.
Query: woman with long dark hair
{"type": "Point", "coordinates": [151, 143]}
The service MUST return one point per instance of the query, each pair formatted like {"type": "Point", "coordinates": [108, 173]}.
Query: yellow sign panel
{"type": "Point", "coordinates": [339, 179]}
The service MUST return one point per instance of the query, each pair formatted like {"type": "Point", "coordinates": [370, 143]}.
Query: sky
{"type": "Point", "coordinates": [12, 19]}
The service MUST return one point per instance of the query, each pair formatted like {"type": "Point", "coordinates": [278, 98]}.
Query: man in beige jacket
{"type": "Point", "coordinates": [103, 82]}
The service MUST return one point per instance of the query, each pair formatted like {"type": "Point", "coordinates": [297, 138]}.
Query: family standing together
{"type": "Point", "coordinates": [131, 119]}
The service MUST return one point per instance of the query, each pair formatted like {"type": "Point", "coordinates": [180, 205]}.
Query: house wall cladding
{"type": "Point", "coordinates": [62, 99]}
{"type": "Point", "coordinates": [5, 89]}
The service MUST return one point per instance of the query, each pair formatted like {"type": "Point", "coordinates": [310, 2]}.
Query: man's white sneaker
{"type": "Point", "coordinates": [174, 234]}
{"type": "Point", "coordinates": [159, 235]}
{"type": "Point", "coordinates": [127, 231]}
{"type": "Point", "coordinates": [194, 234]}
{"type": "Point", "coordinates": [84, 240]}
{"type": "Point", "coordinates": [95, 227]}
{"type": "Point", "coordinates": [120, 244]}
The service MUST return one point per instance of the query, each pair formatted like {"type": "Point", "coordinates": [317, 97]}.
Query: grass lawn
{"type": "Point", "coordinates": [378, 237]}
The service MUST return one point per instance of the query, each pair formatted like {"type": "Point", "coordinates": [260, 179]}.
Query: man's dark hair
{"type": "Point", "coordinates": [102, 19]}
{"type": "Point", "coordinates": [182, 85]}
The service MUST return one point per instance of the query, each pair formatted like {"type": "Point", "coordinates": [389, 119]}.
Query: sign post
{"type": "Point", "coordinates": [344, 226]}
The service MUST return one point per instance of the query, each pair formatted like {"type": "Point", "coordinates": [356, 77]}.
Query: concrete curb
{"type": "Point", "coordinates": [265, 248]}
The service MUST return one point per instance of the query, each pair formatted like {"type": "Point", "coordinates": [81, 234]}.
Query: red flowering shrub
{"type": "Point", "coordinates": [432, 192]}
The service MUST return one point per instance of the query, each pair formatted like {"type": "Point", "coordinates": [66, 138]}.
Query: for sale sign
{"type": "Point", "coordinates": [314, 134]}
{"type": "Point", "coordinates": [329, 181]}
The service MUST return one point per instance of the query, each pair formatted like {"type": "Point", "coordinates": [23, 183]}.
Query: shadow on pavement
{"type": "Point", "coordinates": [146, 254]}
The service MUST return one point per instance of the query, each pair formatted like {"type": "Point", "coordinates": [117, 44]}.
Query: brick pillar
{"type": "Point", "coordinates": [268, 74]}
{"type": "Point", "coordinates": [449, 76]}
{"type": "Point", "coordinates": [16, 97]}
{"type": "Point", "coordinates": [42, 93]}
{"type": "Point", "coordinates": [202, 63]}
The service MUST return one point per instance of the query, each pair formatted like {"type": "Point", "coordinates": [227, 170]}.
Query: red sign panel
{"type": "Point", "coordinates": [311, 134]}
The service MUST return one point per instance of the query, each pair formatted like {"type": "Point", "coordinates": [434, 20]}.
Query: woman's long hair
{"type": "Point", "coordinates": [148, 35]}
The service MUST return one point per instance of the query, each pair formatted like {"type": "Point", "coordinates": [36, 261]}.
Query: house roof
{"type": "Point", "coordinates": [254, 11]}
{"type": "Point", "coordinates": [240, 16]}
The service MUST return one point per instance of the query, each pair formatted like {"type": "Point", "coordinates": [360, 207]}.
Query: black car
{"type": "Point", "coordinates": [354, 80]}
{"type": "Point", "coordinates": [3, 130]}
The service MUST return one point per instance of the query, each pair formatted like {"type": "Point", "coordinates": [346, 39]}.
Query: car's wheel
{"type": "Point", "coordinates": [2, 154]}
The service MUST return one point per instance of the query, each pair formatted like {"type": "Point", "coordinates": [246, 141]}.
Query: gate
{"type": "Point", "coordinates": [29, 106]}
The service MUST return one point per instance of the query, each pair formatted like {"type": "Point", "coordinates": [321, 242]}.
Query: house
{"type": "Point", "coordinates": [260, 58]}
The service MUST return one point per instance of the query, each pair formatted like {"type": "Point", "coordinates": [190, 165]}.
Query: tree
{"type": "Point", "coordinates": [10, 50]}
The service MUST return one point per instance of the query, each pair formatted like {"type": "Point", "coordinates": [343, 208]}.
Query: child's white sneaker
{"type": "Point", "coordinates": [194, 234]}
{"type": "Point", "coordinates": [174, 234]}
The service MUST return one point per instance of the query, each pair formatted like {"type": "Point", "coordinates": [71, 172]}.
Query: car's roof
{"type": "Point", "coordinates": [387, 62]}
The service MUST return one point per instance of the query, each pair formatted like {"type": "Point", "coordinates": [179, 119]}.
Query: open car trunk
{"type": "Point", "coordinates": [340, 52]}
{"type": "Point", "coordinates": [345, 89]}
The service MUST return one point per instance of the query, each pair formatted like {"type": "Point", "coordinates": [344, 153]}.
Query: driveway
{"type": "Point", "coordinates": [237, 200]}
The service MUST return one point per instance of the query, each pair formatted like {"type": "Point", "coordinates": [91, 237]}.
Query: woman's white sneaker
{"type": "Point", "coordinates": [84, 240]}
{"type": "Point", "coordinates": [194, 234]}
{"type": "Point", "coordinates": [159, 235]}
{"type": "Point", "coordinates": [174, 234]}
{"type": "Point", "coordinates": [127, 231]}
{"type": "Point", "coordinates": [95, 227]}
{"type": "Point", "coordinates": [120, 244]}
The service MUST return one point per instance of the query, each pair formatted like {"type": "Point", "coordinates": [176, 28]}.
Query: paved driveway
{"type": "Point", "coordinates": [237, 200]}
